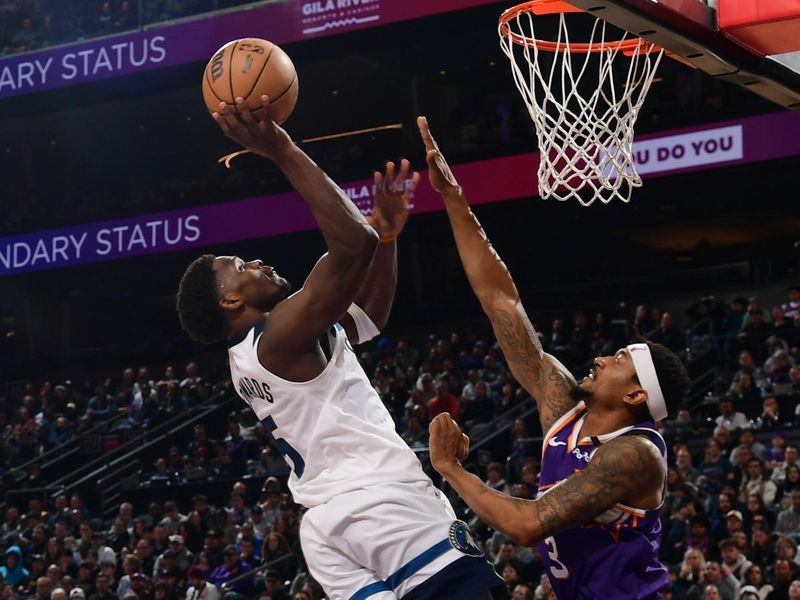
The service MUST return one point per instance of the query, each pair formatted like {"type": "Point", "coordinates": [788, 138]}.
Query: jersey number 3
{"type": "Point", "coordinates": [557, 568]}
{"type": "Point", "coordinates": [285, 448]}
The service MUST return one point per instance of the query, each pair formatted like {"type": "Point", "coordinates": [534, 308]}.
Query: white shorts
{"type": "Point", "coordinates": [384, 541]}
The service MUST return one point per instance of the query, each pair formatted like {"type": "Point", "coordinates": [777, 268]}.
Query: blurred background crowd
{"type": "Point", "coordinates": [731, 518]}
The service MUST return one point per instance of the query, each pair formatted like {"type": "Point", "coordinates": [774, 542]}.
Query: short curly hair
{"type": "Point", "coordinates": [198, 304]}
{"type": "Point", "coordinates": [672, 377]}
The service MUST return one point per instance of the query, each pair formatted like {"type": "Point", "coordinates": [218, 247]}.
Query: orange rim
{"type": "Point", "coordinates": [629, 47]}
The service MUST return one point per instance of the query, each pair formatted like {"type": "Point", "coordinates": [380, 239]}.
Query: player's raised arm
{"type": "Point", "coordinates": [545, 378]}
{"type": "Point", "coordinates": [296, 324]}
{"type": "Point", "coordinates": [393, 191]}
{"type": "Point", "coordinates": [624, 470]}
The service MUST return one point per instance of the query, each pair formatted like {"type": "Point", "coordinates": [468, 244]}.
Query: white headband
{"type": "Point", "coordinates": [646, 371]}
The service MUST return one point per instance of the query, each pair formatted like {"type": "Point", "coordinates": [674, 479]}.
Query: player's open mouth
{"type": "Point", "coordinates": [590, 376]}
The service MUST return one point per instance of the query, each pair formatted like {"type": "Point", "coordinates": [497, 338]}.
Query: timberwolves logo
{"type": "Point", "coordinates": [461, 539]}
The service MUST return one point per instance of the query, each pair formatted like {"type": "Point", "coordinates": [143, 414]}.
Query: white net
{"type": "Point", "coordinates": [584, 105]}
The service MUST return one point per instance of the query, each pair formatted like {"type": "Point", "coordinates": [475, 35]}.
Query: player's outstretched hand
{"type": "Point", "coordinates": [448, 445]}
{"type": "Point", "coordinates": [266, 137]}
{"type": "Point", "coordinates": [393, 193]}
{"type": "Point", "coordinates": [439, 173]}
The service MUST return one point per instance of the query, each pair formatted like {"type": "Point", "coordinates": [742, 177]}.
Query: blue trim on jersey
{"type": "Point", "coordinates": [239, 337]}
{"type": "Point", "coordinates": [258, 329]}
{"type": "Point", "coordinates": [465, 578]}
{"type": "Point", "coordinates": [404, 572]}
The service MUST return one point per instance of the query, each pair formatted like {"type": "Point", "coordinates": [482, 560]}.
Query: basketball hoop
{"type": "Point", "coordinates": [584, 117]}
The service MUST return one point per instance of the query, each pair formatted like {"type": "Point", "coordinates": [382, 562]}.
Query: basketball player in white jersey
{"type": "Point", "coordinates": [376, 526]}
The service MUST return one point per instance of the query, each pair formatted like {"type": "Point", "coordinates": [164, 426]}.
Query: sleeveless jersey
{"type": "Point", "coordinates": [333, 431]}
{"type": "Point", "coordinates": [616, 557]}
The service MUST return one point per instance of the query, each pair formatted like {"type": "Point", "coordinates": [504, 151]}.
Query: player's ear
{"type": "Point", "coordinates": [635, 397]}
{"type": "Point", "coordinates": [231, 301]}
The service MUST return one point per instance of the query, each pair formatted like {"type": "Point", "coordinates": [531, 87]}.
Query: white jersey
{"type": "Point", "coordinates": [334, 431]}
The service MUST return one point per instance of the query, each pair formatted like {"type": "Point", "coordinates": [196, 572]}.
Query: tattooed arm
{"type": "Point", "coordinates": [628, 469]}
{"type": "Point", "coordinates": [545, 378]}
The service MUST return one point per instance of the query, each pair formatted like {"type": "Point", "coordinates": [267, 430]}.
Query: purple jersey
{"type": "Point", "coordinates": [615, 557]}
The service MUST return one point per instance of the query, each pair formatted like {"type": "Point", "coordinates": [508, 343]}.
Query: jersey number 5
{"type": "Point", "coordinates": [285, 448]}
{"type": "Point", "coordinates": [557, 568]}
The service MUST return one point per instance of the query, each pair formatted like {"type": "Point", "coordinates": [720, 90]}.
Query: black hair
{"type": "Point", "coordinates": [672, 377]}
{"type": "Point", "coordinates": [198, 304]}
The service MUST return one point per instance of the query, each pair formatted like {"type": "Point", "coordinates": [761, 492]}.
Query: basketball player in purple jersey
{"type": "Point", "coordinates": [603, 474]}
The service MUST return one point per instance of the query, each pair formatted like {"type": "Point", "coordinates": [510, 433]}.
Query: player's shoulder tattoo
{"type": "Point", "coordinates": [617, 470]}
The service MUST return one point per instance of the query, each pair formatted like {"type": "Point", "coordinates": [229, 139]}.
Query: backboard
{"type": "Point", "coordinates": [690, 28]}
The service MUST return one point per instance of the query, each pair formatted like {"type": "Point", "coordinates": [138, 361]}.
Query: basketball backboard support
{"type": "Point", "coordinates": [689, 28]}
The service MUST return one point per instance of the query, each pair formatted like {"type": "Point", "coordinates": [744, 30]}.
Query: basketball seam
{"type": "Point", "coordinates": [278, 97]}
{"type": "Point", "coordinates": [264, 66]}
{"type": "Point", "coordinates": [230, 76]}
{"type": "Point", "coordinates": [211, 88]}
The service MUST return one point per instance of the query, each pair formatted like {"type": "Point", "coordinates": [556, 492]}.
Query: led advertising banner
{"type": "Point", "coordinates": [724, 144]}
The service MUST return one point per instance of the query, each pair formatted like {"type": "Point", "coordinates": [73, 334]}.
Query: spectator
{"type": "Point", "coordinates": [43, 588]}
{"type": "Point", "coordinates": [790, 459]}
{"type": "Point", "coordinates": [667, 336]}
{"type": "Point", "coordinates": [274, 585]}
{"type": "Point", "coordinates": [102, 405]}
{"type": "Point", "coordinates": [495, 479]}
{"type": "Point", "coordinates": [683, 462]}
{"type": "Point", "coordinates": [557, 341]}
{"type": "Point", "coordinates": [469, 392]}
{"type": "Point", "coordinates": [715, 468]}
{"type": "Point", "coordinates": [776, 453]}
{"type": "Point", "coordinates": [444, 401]}
{"type": "Point", "coordinates": [172, 517]}
{"type": "Point", "coordinates": [747, 366]}
{"type": "Point", "coordinates": [522, 592]}
{"type": "Point", "coordinates": [130, 566]}
{"type": "Point", "coordinates": [756, 485]}
{"type": "Point", "coordinates": [61, 433]}
{"type": "Point", "coordinates": [13, 571]}
{"type": "Point", "coordinates": [792, 308]}
{"type": "Point", "coordinates": [728, 418]}
{"type": "Point", "coordinates": [747, 439]}
{"type": "Point", "coordinates": [493, 374]}
{"type": "Point", "coordinates": [479, 410]}
{"type": "Point", "coordinates": [119, 538]}
{"type": "Point", "coordinates": [792, 481]}
{"type": "Point", "coordinates": [749, 592]}
{"type": "Point", "coordinates": [232, 567]}
{"type": "Point", "coordinates": [733, 559]}
{"type": "Point", "coordinates": [183, 557]}
{"type": "Point", "coordinates": [145, 555]}
{"type": "Point", "coordinates": [733, 319]}
{"type": "Point", "coordinates": [794, 590]}
{"type": "Point", "coordinates": [238, 514]}
{"type": "Point", "coordinates": [247, 551]}
{"type": "Point", "coordinates": [259, 523]}
{"type": "Point", "coordinates": [754, 333]}
{"type": "Point", "coordinates": [277, 547]}
{"type": "Point", "coordinates": [199, 588]}
{"type": "Point", "coordinates": [235, 448]}
{"type": "Point", "coordinates": [415, 435]}
{"type": "Point", "coordinates": [781, 581]}
{"type": "Point", "coordinates": [754, 577]}
{"type": "Point", "coordinates": [789, 519]}
{"type": "Point", "coordinates": [103, 585]}
{"type": "Point", "coordinates": [763, 550]}
{"type": "Point", "coordinates": [715, 575]}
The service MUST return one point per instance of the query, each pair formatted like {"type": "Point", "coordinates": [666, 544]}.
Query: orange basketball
{"type": "Point", "coordinates": [251, 68]}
